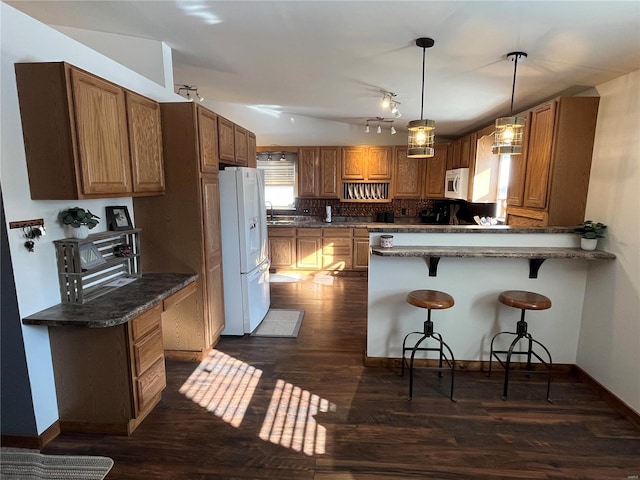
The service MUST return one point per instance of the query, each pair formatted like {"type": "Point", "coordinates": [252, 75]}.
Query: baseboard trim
{"type": "Point", "coordinates": [609, 397]}
{"type": "Point", "coordinates": [185, 355]}
{"type": "Point", "coordinates": [468, 365]}
{"type": "Point", "coordinates": [37, 443]}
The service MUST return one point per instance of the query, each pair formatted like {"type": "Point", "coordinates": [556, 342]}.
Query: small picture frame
{"type": "Point", "coordinates": [90, 256]}
{"type": "Point", "coordinates": [118, 218]}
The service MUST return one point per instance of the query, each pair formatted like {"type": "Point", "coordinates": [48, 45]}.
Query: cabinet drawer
{"type": "Point", "coordinates": [150, 384]}
{"type": "Point", "coordinates": [361, 232]}
{"type": "Point", "coordinates": [336, 242]}
{"type": "Point", "coordinates": [336, 232]}
{"type": "Point", "coordinates": [309, 232]}
{"type": "Point", "coordinates": [145, 322]}
{"type": "Point", "coordinates": [179, 296]}
{"type": "Point", "coordinates": [148, 351]}
{"type": "Point", "coordinates": [281, 232]}
{"type": "Point", "coordinates": [336, 262]}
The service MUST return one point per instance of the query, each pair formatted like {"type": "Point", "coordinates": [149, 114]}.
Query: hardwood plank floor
{"type": "Point", "coordinates": [306, 408]}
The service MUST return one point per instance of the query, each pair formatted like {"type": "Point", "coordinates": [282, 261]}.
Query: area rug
{"type": "Point", "coordinates": [280, 323]}
{"type": "Point", "coordinates": [24, 464]}
{"type": "Point", "coordinates": [284, 277]}
{"type": "Point", "coordinates": [323, 279]}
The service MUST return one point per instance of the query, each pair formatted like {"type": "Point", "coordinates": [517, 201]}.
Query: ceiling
{"type": "Point", "coordinates": [331, 59]}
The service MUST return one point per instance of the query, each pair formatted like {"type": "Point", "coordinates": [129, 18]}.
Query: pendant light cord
{"type": "Point", "coordinates": [424, 50]}
{"type": "Point", "coordinates": [516, 56]}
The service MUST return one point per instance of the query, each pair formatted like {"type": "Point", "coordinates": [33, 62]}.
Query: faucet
{"type": "Point", "coordinates": [271, 205]}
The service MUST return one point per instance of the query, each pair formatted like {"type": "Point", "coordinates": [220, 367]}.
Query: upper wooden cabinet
{"type": "Point", "coordinates": [241, 145]}
{"type": "Point", "coordinates": [208, 140]}
{"type": "Point", "coordinates": [484, 168]}
{"type": "Point", "coordinates": [93, 137]}
{"type": "Point", "coordinates": [318, 172]}
{"type": "Point", "coordinates": [226, 141]}
{"type": "Point", "coordinates": [436, 170]}
{"type": "Point", "coordinates": [366, 163]}
{"type": "Point", "coordinates": [453, 155]}
{"type": "Point", "coordinates": [407, 174]}
{"type": "Point", "coordinates": [251, 150]}
{"type": "Point", "coordinates": [462, 152]}
{"type": "Point", "coordinates": [145, 141]}
{"type": "Point", "coordinates": [557, 164]}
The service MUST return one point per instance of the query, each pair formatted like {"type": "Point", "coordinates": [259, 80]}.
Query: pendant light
{"type": "Point", "coordinates": [508, 134]}
{"type": "Point", "coordinates": [421, 132]}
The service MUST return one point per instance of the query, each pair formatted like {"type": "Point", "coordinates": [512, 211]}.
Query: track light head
{"type": "Point", "coordinates": [393, 130]}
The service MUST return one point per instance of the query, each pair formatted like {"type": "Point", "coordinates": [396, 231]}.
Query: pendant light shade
{"type": "Point", "coordinates": [421, 132]}
{"type": "Point", "coordinates": [508, 134]}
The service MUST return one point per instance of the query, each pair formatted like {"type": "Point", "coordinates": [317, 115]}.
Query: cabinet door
{"type": "Point", "coordinates": [214, 298]}
{"type": "Point", "coordinates": [408, 174]}
{"type": "Point", "coordinates": [307, 172]}
{"type": "Point", "coordinates": [539, 156]}
{"type": "Point", "coordinates": [145, 144]}
{"type": "Point", "coordinates": [329, 176]}
{"type": "Point", "coordinates": [240, 145]}
{"type": "Point", "coordinates": [309, 252]}
{"type": "Point", "coordinates": [101, 128]}
{"type": "Point", "coordinates": [517, 169]}
{"type": "Point", "coordinates": [226, 141]}
{"type": "Point", "coordinates": [208, 138]}
{"type": "Point", "coordinates": [453, 160]}
{"type": "Point", "coordinates": [523, 217]}
{"type": "Point", "coordinates": [379, 164]}
{"type": "Point", "coordinates": [282, 252]}
{"type": "Point", "coordinates": [467, 150]}
{"type": "Point", "coordinates": [360, 253]}
{"type": "Point", "coordinates": [251, 150]}
{"type": "Point", "coordinates": [436, 172]}
{"type": "Point", "coordinates": [353, 163]}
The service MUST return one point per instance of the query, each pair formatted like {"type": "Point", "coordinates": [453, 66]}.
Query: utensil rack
{"type": "Point", "coordinates": [81, 285]}
{"type": "Point", "coordinates": [370, 192]}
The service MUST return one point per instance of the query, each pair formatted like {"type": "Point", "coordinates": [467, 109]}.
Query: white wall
{"type": "Point", "coordinates": [609, 348]}
{"type": "Point", "coordinates": [23, 39]}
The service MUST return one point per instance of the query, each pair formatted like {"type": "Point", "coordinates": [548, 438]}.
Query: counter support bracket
{"type": "Point", "coordinates": [432, 265]}
{"type": "Point", "coordinates": [534, 266]}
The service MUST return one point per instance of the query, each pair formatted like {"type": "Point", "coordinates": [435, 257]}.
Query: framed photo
{"type": "Point", "coordinates": [90, 256]}
{"type": "Point", "coordinates": [118, 218]}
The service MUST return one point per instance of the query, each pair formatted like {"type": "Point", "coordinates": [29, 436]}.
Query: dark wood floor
{"type": "Point", "coordinates": [338, 420]}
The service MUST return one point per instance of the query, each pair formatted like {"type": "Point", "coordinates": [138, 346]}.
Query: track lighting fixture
{"type": "Point", "coordinates": [380, 121]}
{"type": "Point", "coordinates": [389, 102]}
{"type": "Point", "coordinates": [508, 134]}
{"type": "Point", "coordinates": [421, 132]}
{"type": "Point", "coordinates": [189, 92]}
{"type": "Point", "coordinates": [394, 110]}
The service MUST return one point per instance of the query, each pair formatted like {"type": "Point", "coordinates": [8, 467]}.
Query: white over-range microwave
{"type": "Point", "coordinates": [457, 183]}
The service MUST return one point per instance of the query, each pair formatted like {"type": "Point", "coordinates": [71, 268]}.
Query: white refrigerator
{"type": "Point", "coordinates": [245, 266]}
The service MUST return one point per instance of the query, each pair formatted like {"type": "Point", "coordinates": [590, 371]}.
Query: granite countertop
{"type": "Point", "coordinates": [409, 226]}
{"type": "Point", "coordinates": [502, 252]}
{"type": "Point", "coordinates": [116, 307]}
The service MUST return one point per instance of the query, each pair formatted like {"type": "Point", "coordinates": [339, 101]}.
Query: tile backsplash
{"type": "Point", "coordinates": [400, 207]}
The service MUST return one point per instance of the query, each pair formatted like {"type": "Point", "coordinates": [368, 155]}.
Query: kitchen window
{"type": "Point", "coordinates": [279, 178]}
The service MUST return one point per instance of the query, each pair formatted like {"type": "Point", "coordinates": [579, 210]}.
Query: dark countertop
{"type": "Point", "coordinates": [116, 307]}
{"type": "Point", "coordinates": [502, 252]}
{"type": "Point", "coordinates": [412, 227]}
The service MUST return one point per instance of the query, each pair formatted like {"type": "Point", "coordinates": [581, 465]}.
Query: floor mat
{"type": "Point", "coordinates": [280, 323]}
{"type": "Point", "coordinates": [24, 464]}
{"type": "Point", "coordinates": [284, 277]}
{"type": "Point", "coordinates": [323, 279]}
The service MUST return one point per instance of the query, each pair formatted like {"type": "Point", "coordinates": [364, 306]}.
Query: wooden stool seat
{"type": "Point", "coordinates": [430, 299]}
{"type": "Point", "coordinates": [524, 300]}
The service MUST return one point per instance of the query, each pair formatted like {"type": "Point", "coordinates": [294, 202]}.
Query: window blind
{"type": "Point", "coordinates": [278, 172]}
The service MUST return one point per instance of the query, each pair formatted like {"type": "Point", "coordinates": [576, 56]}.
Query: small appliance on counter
{"type": "Point", "coordinates": [327, 218]}
{"type": "Point", "coordinates": [457, 183]}
{"type": "Point", "coordinates": [438, 215]}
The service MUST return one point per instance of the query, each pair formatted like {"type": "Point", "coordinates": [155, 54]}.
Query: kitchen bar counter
{"type": "Point", "coordinates": [116, 307]}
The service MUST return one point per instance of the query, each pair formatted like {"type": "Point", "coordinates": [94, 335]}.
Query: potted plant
{"type": "Point", "coordinates": [80, 219]}
{"type": "Point", "coordinates": [590, 232]}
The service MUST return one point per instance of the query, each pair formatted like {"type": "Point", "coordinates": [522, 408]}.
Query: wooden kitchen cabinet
{"type": "Point", "coordinates": [282, 247]}
{"type": "Point", "coordinates": [208, 140]}
{"type": "Point", "coordinates": [366, 163]}
{"type": "Point", "coordinates": [318, 172]}
{"type": "Point", "coordinates": [94, 137]}
{"type": "Point", "coordinates": [108, 379]}
{"type": "Point", "coordinates": [408, 174]}
{"type": "Point", "coordinates": [252, 159]}
{"type": "Point", "coordinates": [467, 150]}
{"type": "Point", "coordinates": [308, 248]}
{"type": "Point", "coordinates": [436, 170]}
{"type": "Point", "coordinates": [484, 168]}
{"type": "Point", "coordinates": [241, 145]}
{"type": "Point", "coordinates": [145, 141]}
{"type": "Point", "coordinates": [226, 141]}
{"type": "Point", "coordinates": [453, 155]}
{"type": "Point", "coordinates": [360, 254]}
{"type": "Point", "coordinates": [557, 165]}
{"type": "Point", "coordinates": [182, 228]}
{"type": "Point", "coordinates": [336, 248]}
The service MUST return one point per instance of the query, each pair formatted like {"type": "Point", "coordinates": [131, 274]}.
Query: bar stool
{"type": "Point", "coordinates": [431, 300]}
{"type": "Point", "coordinates": [525, 301]}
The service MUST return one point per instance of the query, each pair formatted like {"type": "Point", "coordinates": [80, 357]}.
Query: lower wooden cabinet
{"type": "Point", "coordinates": [328, 248]}
{"type": "Point", "coordinates": [108, 379]}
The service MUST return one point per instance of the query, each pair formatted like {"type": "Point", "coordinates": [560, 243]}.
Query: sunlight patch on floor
{"type": "Point", "coordinates": [290, 421]}
{"type": "Point", "coordinates": [223, 385]}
